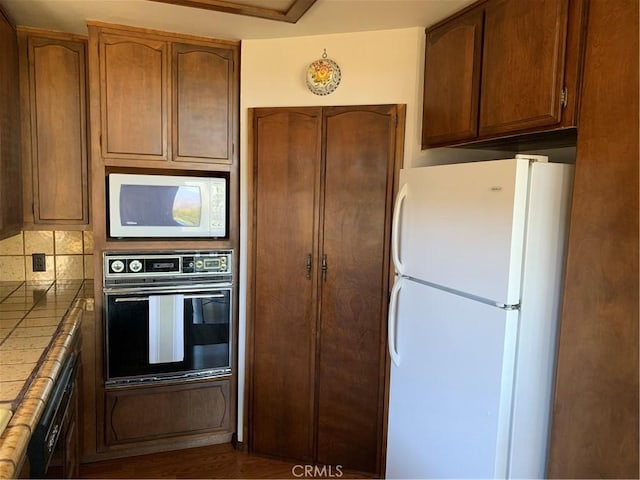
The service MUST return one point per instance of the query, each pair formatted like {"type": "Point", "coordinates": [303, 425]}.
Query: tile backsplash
{"type": "Point", "coordinates": [69, 255]}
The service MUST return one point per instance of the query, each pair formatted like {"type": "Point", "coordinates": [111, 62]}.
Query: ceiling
{"type": "Point", "coordinates": [323, 17]}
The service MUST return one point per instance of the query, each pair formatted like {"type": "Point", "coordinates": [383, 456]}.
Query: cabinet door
{"type": "Point", "coordinates": [134, 86]}
{"type": "Point", "coordinates": [56, 155]}
{"type": "Point", "coordinates": [286, 178]}
{"type": "Point", "coordinates": [452, 80]}
{"type": "Point", "coordinates": [153, 412]}
{"type": "Point", "coordinates": [523, 64]}
{"type": "Point", "coordinates": [359, 158]}
{"type": "Point", "coordinates": [10, 171]}
{"type": "Point", "coordinates": [204, 95]}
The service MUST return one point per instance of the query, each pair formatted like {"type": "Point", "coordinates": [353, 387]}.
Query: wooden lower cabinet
{"type": "Point", "coordinates": [323, 186]}
{"type": "Point", "coordinates": [141, 414]}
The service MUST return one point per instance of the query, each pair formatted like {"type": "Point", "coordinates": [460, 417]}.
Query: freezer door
{"type": "Point", "coordinates": [462, 226]}
{"type": "Point", "coordinates": [451, 386]}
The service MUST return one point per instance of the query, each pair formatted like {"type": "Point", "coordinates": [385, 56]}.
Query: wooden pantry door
{"type": "Point", "coordinates": [359, 155]}
{"type": "Point", "coordinates": [286, 177]}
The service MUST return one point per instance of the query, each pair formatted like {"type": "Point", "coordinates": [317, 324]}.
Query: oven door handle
{"type": "Point", "coordinates": [146, 299]}
{"type": "Point", "coordinates": [217, 295]}
{"type": "Point", "coordinates": [167, 290]}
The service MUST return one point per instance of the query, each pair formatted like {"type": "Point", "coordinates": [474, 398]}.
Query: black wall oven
{"type": "Point", "coordinates": [167, 316]}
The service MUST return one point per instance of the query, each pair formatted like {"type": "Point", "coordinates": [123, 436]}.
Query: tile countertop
{"type": "Point", "coordinates": [38, 321]}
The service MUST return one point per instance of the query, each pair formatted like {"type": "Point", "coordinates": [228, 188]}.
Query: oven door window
{"type": "Point", "coordinates": [207, 337]}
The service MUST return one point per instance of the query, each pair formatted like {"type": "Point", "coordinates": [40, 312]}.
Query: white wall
{"type": "Point", "coordinates": [381, 67]}
{"type": "Point", "coordinates": [377, 68]}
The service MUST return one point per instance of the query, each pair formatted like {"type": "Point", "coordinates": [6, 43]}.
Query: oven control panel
{"type": "Point", "coordinates": [120, 265]}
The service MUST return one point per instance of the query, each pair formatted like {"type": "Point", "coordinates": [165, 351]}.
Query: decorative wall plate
{"type": "Point", "coordinates": [323, 76]}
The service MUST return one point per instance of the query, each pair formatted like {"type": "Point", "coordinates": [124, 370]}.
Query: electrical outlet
{"type": "Point", "coordinates": [39, 261]}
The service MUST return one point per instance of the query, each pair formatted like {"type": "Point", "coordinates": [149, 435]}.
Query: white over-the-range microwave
{"type": "Point", "coordinates": [167, 206]}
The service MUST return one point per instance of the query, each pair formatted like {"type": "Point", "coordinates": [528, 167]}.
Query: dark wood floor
{"type": "Point", "coordinates": [217, 461]}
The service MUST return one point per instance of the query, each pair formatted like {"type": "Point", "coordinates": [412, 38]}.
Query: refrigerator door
{"type": "Point", "coordinates": [451, 385]}
{"type": "Point", "coordinates": [462, 226]}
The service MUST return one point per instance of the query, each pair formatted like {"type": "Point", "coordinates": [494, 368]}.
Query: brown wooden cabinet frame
{"type": "Point", "coordinates": [95, 444]}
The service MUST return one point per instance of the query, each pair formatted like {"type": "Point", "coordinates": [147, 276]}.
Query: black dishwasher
{"type": "Point", "coordinates": [46, 433]}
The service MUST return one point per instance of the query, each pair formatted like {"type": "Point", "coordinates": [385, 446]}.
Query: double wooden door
{"type": "Point", "coordinates": [485, 79]}
{"type": "Point", "coordinates": [323, 186]}
{"type": "Point", "coordinates": [165, 98]}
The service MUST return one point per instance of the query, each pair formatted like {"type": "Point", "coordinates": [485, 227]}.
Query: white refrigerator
{"type": "Point", "coordinates": [479, 252]}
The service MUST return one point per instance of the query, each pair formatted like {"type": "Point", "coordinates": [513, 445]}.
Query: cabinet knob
{"type": "Point", "coordinates": [324, 267]}
{"type": "Point", "coordinates": [309, 260]}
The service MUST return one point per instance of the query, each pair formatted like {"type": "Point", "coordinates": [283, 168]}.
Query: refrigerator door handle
{"type": "Point", "coordinates": [395, 229]}
{"type": "Point", "coordinates": [392, 321]}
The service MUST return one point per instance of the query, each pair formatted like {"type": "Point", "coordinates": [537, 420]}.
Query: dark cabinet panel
{"type": "Point", "coordinates": [10, 162]}
{"type": "Point", "coordinates": [134, 97]}
{"type": "Point", "coordinates": [452, 80]}
{"type": "Point", "coordinates": [204, 96]}
{"type": "Point", "coordinates": [595, 429]}
{"type": "Point", "coordinates": [55, 132]}
{"type": "Point", "coordinates": [522, 64]}
{"type": "Point", "coordinates": [144, 414]}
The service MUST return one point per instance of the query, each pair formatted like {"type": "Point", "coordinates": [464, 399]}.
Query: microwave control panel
{"type": "Point", "coordinates": [119, 265]}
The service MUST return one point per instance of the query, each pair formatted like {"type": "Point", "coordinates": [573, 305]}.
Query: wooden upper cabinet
{"type": "Point", "coordinates": [523, 64]}
{"type": "Point", "coordinates": [203, 95]}
{"type": "Point", "coordinates": [166, 100]}
{"type": "Point", "coordinates": [134, 77]}
{"type": "Point", "coordinates": [10, 164]}
{"type": "Point", "coordinates": [54, 130]}
{"type": "Point", "coordinates": [502, 68]}
{"type": "Point", "coordinates": [452, 80]}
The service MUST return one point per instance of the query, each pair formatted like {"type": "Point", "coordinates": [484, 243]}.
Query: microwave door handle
{"type": "Point", "coordinates": [131, 299]}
